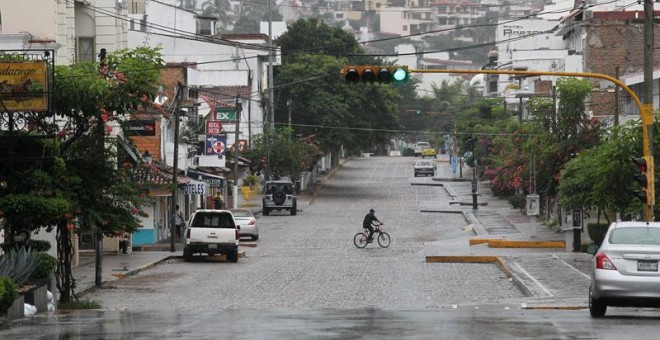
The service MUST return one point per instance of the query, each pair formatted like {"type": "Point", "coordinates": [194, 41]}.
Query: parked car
{"type": "Point", "coordinates": [211, 232]}
{"type": "Point", "coordinates": [247, 222]}
{"type": "Point", "coordinates": [423, 167]}
{"type": "Point", "coordinates": [625, 268]}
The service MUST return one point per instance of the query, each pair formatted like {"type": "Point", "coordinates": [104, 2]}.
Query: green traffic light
{"type": "Point", "coordinates": [400, 74]}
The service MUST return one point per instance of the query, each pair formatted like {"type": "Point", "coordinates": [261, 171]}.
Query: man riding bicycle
{"type": "Point", "coordinates": [369, 219]}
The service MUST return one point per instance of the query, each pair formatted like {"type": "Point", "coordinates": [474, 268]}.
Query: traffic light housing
{"type": "Point", "coordinates": [645, 179]}
{"type": "Point", "coordinates": [375, 74]}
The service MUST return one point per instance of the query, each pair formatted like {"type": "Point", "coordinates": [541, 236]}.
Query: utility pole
{"type": "Point", "coordinates": [647, 114]}
{"type": "Point", "coordinates": [271, 100]}
{"type": "Point", "coordinates": [237, 150]}
{"type": "Point", "coordinates": [98, 233]}
{"type": "Point", "coordinates": [175, 179]}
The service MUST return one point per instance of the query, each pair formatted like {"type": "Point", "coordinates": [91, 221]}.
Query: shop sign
{"type": "Point", "coordinates": [24, 86]}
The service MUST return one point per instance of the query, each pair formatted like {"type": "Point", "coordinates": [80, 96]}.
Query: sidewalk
{"type": "Point", "coordinates": [117, 266]}
{"type": "Point", "coordinates": [537, 258]}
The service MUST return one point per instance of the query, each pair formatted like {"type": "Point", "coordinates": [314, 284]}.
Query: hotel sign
{"type": "Point", "coordinates": [24, 85]}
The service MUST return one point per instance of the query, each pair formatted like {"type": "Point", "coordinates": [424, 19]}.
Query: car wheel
{"type": "Point", "coordinates": [597, 308]}
{"type": "Point", "coordinates": [294, 208]}
{"type": "Point", "coordinates": [187, 254]}
{"type": "Point", "coordinates": [233, 256]}
{"type": "Point", "coordinates": [266, 211]}
{"type": "Point", "coordinates": [255, 237]}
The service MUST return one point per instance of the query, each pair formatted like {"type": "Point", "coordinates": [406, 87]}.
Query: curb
{"type": "Point", "coordinates": [501, 264]}
{"type": "Point", "coordinates": [322, 185]}
{"type": "Point", "coordinates": [120, 276]}
{"type": "Point", "coordinates": [525, 244]}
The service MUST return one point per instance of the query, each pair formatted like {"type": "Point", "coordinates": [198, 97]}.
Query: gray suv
{"type": "Point", "coordinates": [279, 196]}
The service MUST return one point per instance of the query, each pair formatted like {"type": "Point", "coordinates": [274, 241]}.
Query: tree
{"type": "Point", "coordinates": [602, 177]}
{"type": "Point", "coordinates": [291, 155]}
{"type": "Point", "coordinates": [355, 116]}
{"type": "Point", "coordinates": [312, 36]}
{"type": "Point", "coordinates": [80, 184]}
{"type": "Point", "coordinates": [219, 9]}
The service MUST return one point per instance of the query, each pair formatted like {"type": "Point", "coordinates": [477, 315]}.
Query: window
{"type": "Point", "coordinates": [634, 235]}
{"type": "Point", "coordinates": [213, 220]}
{"type": "Point", "coordinates": [405, 28]}
{"type": "Point", "coordinates": [85, 50]}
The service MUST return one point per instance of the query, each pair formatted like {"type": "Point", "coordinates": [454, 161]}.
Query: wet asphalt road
{"type": "Point", "coordinates": [305, 279]}
{"type": "Point", "coordinates": [366, 323]}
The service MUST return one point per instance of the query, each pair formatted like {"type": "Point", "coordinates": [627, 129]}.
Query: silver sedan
{"type": "Point", "coordinates": [625, 268]}
{"type": "Point", "coordinates": [248, 223]}
{"type": "Point", "coordinates": [425, 168]}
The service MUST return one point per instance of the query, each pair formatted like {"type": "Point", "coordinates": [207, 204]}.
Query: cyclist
{"type": "Point", "coordinates": [369, 219]}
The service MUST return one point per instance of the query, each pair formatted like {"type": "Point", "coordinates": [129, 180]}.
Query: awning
{"type": "Point", "coordinates": [214, 181]}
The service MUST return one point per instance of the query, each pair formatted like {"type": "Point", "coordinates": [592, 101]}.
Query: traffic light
{"type": "Point", "coordinates": [644, 179]}
{"type": "Point", "coordinates": [372, 74]}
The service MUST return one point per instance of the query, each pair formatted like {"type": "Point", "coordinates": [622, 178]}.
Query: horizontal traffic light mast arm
{"type": "Point", "coordinates": [647, 117]}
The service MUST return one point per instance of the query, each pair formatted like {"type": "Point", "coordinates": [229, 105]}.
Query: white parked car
{"type": "Point", "coordinates": [625, 268]}
{"type": "Point", "coordinates": [247, 222]}
{"type": "Point", "coordinates": [211, 232]}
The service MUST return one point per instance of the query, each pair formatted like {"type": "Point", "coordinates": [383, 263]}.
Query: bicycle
{"type": "Point", "coordinates": [384, 239]}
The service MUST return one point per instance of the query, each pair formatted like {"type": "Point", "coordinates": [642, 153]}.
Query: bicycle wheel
{"type": "Point", "coordinates": [384, 239]}
{"type": "Point", "coordinates": [360, 240]}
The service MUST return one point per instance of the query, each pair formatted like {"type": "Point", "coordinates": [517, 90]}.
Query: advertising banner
{"type": "Point", "coordinates": [215, 145]}
{"type": "Point", "coordinates": [226, 115]}
{"type": "Point", "coordinates": [140, 128]}
{"type": "Point", "coordinates": [213, 127]}
{"type": "Point", "coordinates": [23, 85]}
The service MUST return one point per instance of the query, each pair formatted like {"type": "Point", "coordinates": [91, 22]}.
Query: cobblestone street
{"type": "Point", "coordinates": [309, 260]}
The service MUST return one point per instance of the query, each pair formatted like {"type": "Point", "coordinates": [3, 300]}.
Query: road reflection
{"type": "Point", "coordinates": [467, 323]}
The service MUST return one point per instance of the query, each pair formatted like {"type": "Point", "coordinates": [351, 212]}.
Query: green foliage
{"type": "Point", "coordinates": [8, 293]}
{"type": "Point", "coordinates": [289, 156]}
{"type": "Point", "coordinates": [602, 177]}
{"type": "Point", "coordinates": [45, 268]}
{"type": "Point", "coordinates": [79, 304]}
{"type": "Point", "coordinates": [315, 37]}
{"type": "Point", "coordinates": [597, 232]}
{"type": "Point", "coordinates": [36, 245]}
{"type": "Point", "coordinates": [518, 201]}
{"type": "Point", "coordinates": [250, 180]}
{"type": "Point", "coordinates": [19, 264]}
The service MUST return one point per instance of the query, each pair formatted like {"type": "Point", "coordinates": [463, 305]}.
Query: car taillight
{"type": "Point", "coordinates": [188, 233]}
{"type": "Point", "coordinates": [252, 222]}
{"type": "Point", "coordinates": [237, 235]}
{"type": "Point", "coordinates": [603, 262]}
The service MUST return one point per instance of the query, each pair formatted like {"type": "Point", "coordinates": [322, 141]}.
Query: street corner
{"type": "Point", "coordinates": [501, 264]}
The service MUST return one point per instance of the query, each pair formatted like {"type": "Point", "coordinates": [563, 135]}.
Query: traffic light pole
{"type": "Point", "coordinates": [645, 111]}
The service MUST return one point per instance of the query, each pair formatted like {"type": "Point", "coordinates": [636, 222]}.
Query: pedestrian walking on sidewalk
{"type": "Point", "coordinates": [178, 221]}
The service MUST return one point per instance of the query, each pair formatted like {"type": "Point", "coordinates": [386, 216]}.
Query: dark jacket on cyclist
{"type": "Point", "coordinates": [368, 220]}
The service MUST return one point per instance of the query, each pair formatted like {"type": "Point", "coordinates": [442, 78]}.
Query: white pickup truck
{"type": "Point", "coordinates": [212, 232]}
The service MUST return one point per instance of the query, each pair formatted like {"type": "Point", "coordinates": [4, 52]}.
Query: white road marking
{"type": "Point", "coordinates": [534, 280]}
{"type": "Point", "coordinates": [572, 267]}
